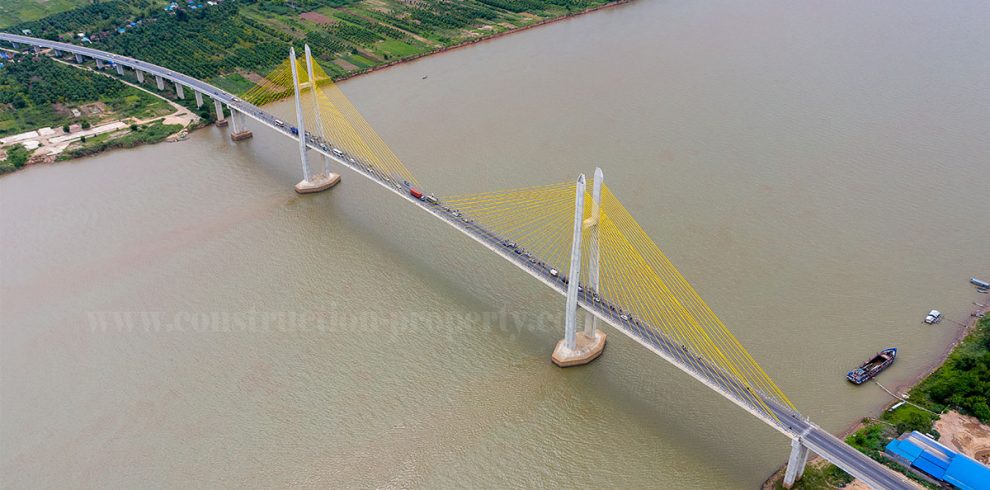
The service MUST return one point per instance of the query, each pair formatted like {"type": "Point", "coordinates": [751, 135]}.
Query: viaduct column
{"type": "Point", "coordinates": [795, 463]}
{"type": "Point", "coordinates": [140, 75]}
{"type": "Point", "coordinates": [120, 69]}
{"type": "Point", "coordinates": [99, 64]}
{"type": "Point", "coordinates": [160, 82]}
{"type": "Point", "coordinates": [574, 349]}
{"type": "Point", "coordinates": [79, 58]}
{"type": "Point", "coordinates": [221, 119]}
{"type": "Point", "coordinates": [178, 91]}
{"type": "Point", "coordinates": [237, 130]}
{"type": "Point", "coordinates": [199, 98]}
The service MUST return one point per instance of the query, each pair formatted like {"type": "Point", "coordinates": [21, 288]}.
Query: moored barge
{"type": "Point", "coordinates": [870, 369]}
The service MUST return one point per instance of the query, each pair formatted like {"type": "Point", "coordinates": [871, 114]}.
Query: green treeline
{"type": "Point", "coordinates": [17, 156]}
{"type": "Point", "coordinates": [140, 135]}
{"type": "Point", "coordinates": [94, 18]}
{"type": "Point", "coordinates": [38, 81]}
{"type": "Point", "coordinates": [963, 382]}
{"type": "Point", "coordinates": [236, 37]}
{"type": "Point", "coordinates": [32, 86]}
{"type": "Point", "coordinates": [210, 42]}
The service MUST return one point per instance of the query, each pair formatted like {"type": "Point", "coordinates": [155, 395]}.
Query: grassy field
{"type": "Point", "coordinates": [16, 11]}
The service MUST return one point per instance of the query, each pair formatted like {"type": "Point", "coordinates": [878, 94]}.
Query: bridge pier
{"type": "Point", "coordinates": [221, 119]}
{"type": "Point", "coordinates": [796, 462]}
{"type": "Point", "coordinates": [199, 98]}
{"type": "Point", "coordinates": [79, 58]}
{"type": "Point", "coordinates": [160, 82]}
{"type": "Point", "coordinates": [99, 64]}
{"type": "Point", "coordinates": [120, 69]}
{"type": "Point", "coordinates": [178, 91]}
{"type": "Point", "coordinates": [237, 130]}
{"type": "Point", "coordinates": [574, 349]}
{"type": "Point", "coordinates": [58, 54]}
{"type": "Point", "coordinates": [140, 75]}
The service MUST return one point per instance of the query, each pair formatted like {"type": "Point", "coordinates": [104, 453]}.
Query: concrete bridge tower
{"type": "Point", "coordinates": [574, 349]}
{"type": "Point", "coordinates": [310, 183]}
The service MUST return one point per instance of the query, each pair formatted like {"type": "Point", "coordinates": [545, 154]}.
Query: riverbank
{"type": "Point", "coordinates": [965, 433]}
{"type": "Point", "coordinates": [68, 146]}
{"type": "Point", "coordinates": [74, 110]}
{"type": "Point", "coordinates": [468, 42]}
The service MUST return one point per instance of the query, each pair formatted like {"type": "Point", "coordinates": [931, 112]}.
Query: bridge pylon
{"type": "Point", "coordinates": [574, 349]}
{"type": "Point", "coordinates": [310, 183]}
{"type": "Point", "coordinates": [326, 179]}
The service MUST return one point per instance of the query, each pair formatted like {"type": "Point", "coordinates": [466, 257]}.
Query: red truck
{"type": "Point", "coordinates": [414, 192]}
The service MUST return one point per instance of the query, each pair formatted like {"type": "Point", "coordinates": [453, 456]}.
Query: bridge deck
{"type": "Point", "coordinates": [782, 419]}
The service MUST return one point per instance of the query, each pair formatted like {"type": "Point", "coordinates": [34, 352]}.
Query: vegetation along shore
{"type": "Point", "coordinates": [231, 44]}
{"type": "Point", "coordinates": [951, 402]}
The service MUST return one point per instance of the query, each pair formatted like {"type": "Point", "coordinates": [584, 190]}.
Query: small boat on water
{"type": "Point", "coordinates": [870, 369]}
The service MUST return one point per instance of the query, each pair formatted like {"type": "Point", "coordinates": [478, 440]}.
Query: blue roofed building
{"type": "Point", "coordinates": [922, 453]}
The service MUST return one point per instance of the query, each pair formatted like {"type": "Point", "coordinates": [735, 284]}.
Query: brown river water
{"type": "Point", "coordinates": [176, 316]}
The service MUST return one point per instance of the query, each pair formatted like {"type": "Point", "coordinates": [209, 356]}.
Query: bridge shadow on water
{"type": "Point", "coordinates": [628, 383]}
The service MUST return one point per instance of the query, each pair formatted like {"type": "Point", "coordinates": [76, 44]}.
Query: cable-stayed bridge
{"type": "Point", "coordinates": [577, 238]}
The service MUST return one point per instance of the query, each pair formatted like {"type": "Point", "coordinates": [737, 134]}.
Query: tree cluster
{"type": "Point", "coordinates": [40, 81]}
{"type": "Point", "coordinates": [963, 382]}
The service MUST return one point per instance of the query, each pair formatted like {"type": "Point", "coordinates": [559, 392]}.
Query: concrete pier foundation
{"type": "Point", "coordinates": [199, 98]}
{"type": "Point", "coordinates": [160, 82]}
{"type": "Point", "coordinates": [120, 69]}
{"type": "Point", "coordinates": [238, 132]}
{"type": "Point", "coordinates": [221, 119]}
{"type": "Point", "coordinates": [318, 183]}
{"type": "Point", "coordinates": [795, 463]}
{"type": "Point", "coordinates": [79, 58]}
{"type": "Point", "coordinates": [586, 349]}
{"type": "Point", "coordinates": [140, 75]}
{"type": "Point", "coordinates": [178, 91]}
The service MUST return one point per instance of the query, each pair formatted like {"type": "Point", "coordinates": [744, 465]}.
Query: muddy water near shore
{"type": "Point", "coordinates": [176, 315]}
